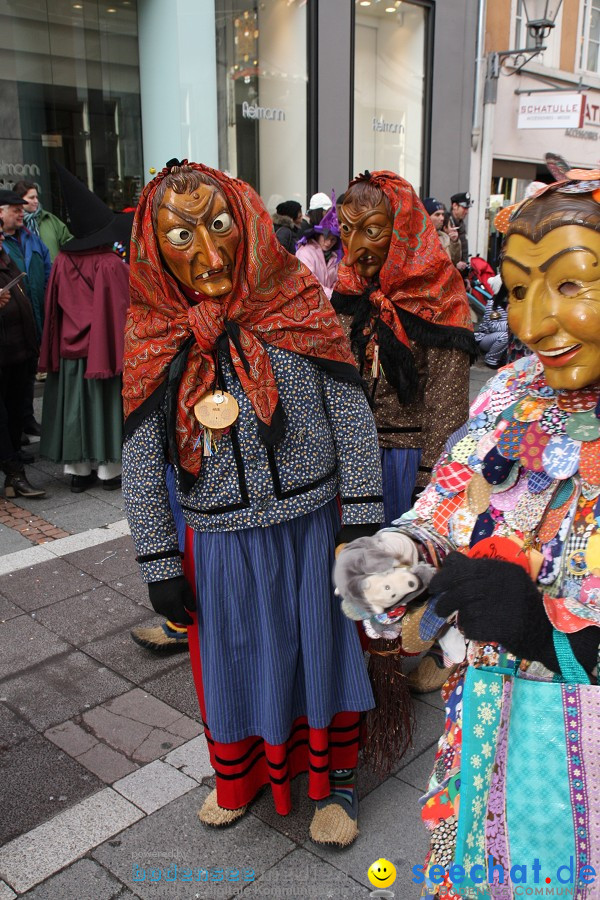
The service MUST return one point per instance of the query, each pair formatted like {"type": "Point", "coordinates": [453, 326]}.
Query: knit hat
{"type": "Point", "coordinates": [289, 208]}
{"type": "Point", "coordinates": [432, 205]}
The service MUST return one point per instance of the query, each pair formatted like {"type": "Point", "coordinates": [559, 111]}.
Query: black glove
{"type": "Point", "coordinates": [172, 598]}
{"type": "Point", "coordinates": [497, 601]}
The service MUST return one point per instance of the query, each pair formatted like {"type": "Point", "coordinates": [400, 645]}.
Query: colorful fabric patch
{"type": "Point", "coordinates": [552, 522]}
{"type": "Point", "coordinates": [481, 423]}
{"type": "Point", "coordinates": [509, 442]}
{"type": "Point", "coordinates": [483, 528]}
{"type": "Point", "coordinates": [453, 477]}
{"type": "Point", "coordinates": [480, 403]}
{"type": "Point", "coordinates": [553, 420]}
{"type": "Point", "coordinates": [530, 409]}
{"type": "Point", "coordinates": [495, 467]}
{"type": "Point", "coordinates": [463, 449]}
{"type": "Point", "coordinates": [504, 500]}
{"type": "Point", "coordinates": [530, 509]}
{"type": "Point", "coordinates": [444, 511]}
{"type": "Point", "coordinates": [590, 591]}
{"type": "Point", "coordinates": [561, 456]}
{"type": "Point", "coordinates": [478, 494]}
{"type": "Point", "coordinates": [532, 446]}
{"type": "Point", "coordinates": [460, 526]}
{"type": "Point", "coordinates": [538, 482]}
{"type": "Point", "coordinates": [577, 401]}
{"type": "Point", "coordinates": [508, 482]}
{"type": "Point", "coordinates": [485, 444]}
{"type": "Point", "coordinates": [583, 426]}
{"type": "Point", "coordinates": [564, 493]}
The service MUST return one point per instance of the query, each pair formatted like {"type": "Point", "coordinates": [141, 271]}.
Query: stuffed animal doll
{"type": "Point", "coordinates": [377, 577]}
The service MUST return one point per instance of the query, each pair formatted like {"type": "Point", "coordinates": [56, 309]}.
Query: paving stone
{"type": "Point", "coordinates": [83, 879]}
{"type": "Point", "coordinates": [8, 610]}
{"type": "Point", "coordinates": [143, 707]}
{"type": "Point", "coordinates": [192, 759]}
{"type": "Point", "coordinates": [61, 688]}
{"type": "Point", "coordinates": [91, 615]}
{"type": "Point", "coordinates": [106, 763]}
{"type": "Point", "coordinates": [154, 785]}
{"type": "Point", "coordinates": [119, 732]}
{"type": "Point", "coordinates": [133, 587]}
{"type": "Point", "coordinates": [88, 512]}
{"type": "Point", "coordinates": [11, 540]}
{"type": "Point", "coordinates": [186, 728]}
{"type": "Point", "coordinates": [13, 730]}
{"type": "Point", "coordinates": [302, 875]}
{"type": "Point", "coordinates": [429, 727]}
{"type": "Point", "coordinates": [26, 643]}
{"type": "Point", "coordinates": [24, 559]}
{"type": "Point", "coordinates": [48, 582]}
{"type": "Point", "coordinates": [390, 827]}
{"type": "Point", "coordinates": [121, 654]}
{"type": "Point", "coordinates": [295, 825]}
{"type": "Point", "coordinates": [434, 698]}
{"type": "Point", "coordinates": [6, 893]}
{"type": "Point", "coordinates": [38, 781]}
{"type": "Point", "coordinates": [418, 771]}
{"type": "Point", "coordinates": [156, 744]}
{"type": "Point", "coordinates": [46, 506]}
{"type": "Point", "coordinates": [177, 689]}
{"type": "Point", "coordinates": [71, 738]}
{"type": "Point", "coordinates": [175, 829]}
{"type": "Point", "coordinates": [40, 853]}
{"type": "Point", "coordinates": [108, 561]}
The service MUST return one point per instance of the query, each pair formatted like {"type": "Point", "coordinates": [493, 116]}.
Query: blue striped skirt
{"type": "Point", "coordinates": [400, 468]}
{"type": "Point", "coordinates": [274, 643]}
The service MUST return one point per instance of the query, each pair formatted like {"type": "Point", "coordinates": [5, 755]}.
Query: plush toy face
{"type": "Point", "coordinates": [554, 301]}
{"type": "Point", "coordinates": [386, 589]}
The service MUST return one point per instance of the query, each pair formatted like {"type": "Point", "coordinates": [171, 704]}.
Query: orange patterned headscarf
{"type": "Point", "coordinates": [418, 294]}
{"type": "Point", "coordinates": [274, 300]}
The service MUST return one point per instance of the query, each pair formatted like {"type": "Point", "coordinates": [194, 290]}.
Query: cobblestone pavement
{"type": "Point", "coordinates": [103, 760]}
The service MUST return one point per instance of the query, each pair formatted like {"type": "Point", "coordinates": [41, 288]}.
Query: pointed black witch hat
{"type": "Point", "coordinates": [90, 219]}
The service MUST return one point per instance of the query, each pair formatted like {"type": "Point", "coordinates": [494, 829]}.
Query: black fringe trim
{"type": "Point", "coordinates": [447, 337]}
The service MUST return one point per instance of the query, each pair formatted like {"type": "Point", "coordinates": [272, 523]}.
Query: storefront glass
{"type": "Point", "coordinates": [262, 96]}
{"type": "Point", "coordinates": [69, 93]}
{"type": "Point", "coordinates": [389, 87]}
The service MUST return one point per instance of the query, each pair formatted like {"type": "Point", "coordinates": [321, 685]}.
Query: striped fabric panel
{"type": "Point", "coordinates": [273, 641]}
{"type": "Point", "coordinates": [400, 469]}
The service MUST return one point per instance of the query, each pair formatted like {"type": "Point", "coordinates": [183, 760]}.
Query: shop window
{"type": "Point", "coordinates": [262, 95]}
{"type": "Point", "coordinates": [589, 59]}
{"type": "Point", "coordinates": [390, 87]}
{"type": "Point", "coordinates": [69, 92]}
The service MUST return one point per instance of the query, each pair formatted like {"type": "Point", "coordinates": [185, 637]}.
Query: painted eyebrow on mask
{"type": "Point", "coordinates": [545, 266]}
{"type": "Point", "coordinates": [516, 263]}
{"type": "Point", "coordinates": [194, 220]}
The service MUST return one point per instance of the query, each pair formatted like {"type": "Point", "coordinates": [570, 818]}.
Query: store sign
{"type": "Point", "coordinates": [251, 111]}
{"type": "Point", "coordinates": [592, 111]}
{"type": "Point", "coordinates": [556, 110]}
{"type": "Point", "coordinates": [379, 124]}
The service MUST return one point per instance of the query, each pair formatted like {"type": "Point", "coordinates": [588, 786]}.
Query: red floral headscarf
{"type": "Point", "coordinates": [274, 300]}
{"type": "Point", "coordinates": [419, 294]}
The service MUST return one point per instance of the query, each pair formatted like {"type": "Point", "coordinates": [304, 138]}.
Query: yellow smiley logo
{"type": "Point", "coordinates": [382, 873]}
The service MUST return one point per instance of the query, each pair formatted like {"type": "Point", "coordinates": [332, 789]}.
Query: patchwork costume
{"type": "Point", "coordinates": [278, 670]}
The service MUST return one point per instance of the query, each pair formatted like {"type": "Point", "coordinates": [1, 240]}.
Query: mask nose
{"type": "Point", "coordinates": [354, 248]}
{"type": "Point", "coordinates": [207, 250]}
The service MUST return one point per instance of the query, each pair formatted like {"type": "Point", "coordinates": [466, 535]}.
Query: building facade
{"type": "Point", "coordinates": [293, 96]}
{"type": "Point", "coordinates": [528, 107]}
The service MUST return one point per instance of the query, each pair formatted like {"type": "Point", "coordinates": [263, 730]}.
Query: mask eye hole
{"type": "Point", "coordinates": [518, 292]}
{"type": "Point", "coordinates": [345, 229]}
{"type": "Point", "coordinates": [373, 232]}
{"type": "Point", "coordinates": [222, 223]}
{"type": "Point", "coordinates": [568, 288]}
{"type": "Point", "coordinates": [179, 237]}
